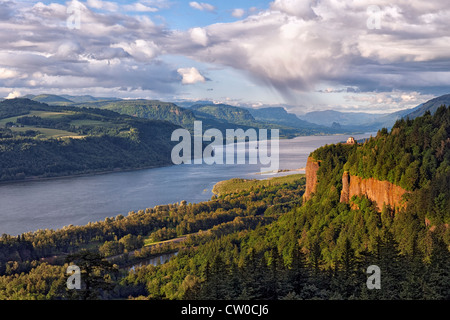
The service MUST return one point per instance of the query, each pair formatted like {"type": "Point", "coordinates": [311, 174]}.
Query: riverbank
{"type": "Point", "coordinates": [237, 185]}
{"type": "Point", "coordinates": [87, 174]}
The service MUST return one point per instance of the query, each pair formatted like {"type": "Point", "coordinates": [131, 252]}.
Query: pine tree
{"type": "Point", "coordinates": [297, 273]}
{"type": "Point", "coordinates": [392, 268]}
{"type": "Point", "coordinates": [438, 273]}
{"type": "Point", "coordinates": [95, 275]}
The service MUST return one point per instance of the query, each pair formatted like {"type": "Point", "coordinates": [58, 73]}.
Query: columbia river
{"type": "Point", "coordinates": [52, 204]}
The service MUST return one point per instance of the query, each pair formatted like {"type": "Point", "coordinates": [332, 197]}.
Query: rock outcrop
{"type": "Point", "coordinates": [382, 192]}
{"type": "Point", "coordinates": [312, 166]}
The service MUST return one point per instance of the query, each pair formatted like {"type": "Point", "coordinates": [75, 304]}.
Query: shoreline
{"type": "Point", "coordinates": [87, 174]}
{"type": "Point", "coordinates": [94, 173]}
{"type": "Point", "coordinates": [279, 171]}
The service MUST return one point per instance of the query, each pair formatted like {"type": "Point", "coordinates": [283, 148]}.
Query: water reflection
{"type": "Point", "coordinates": [155, 261]}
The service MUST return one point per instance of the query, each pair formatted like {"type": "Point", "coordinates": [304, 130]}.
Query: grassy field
{"type": "Point", "coordinates": [87, 122]}
{"type": "Point", "coordinates": [237, 185]}
{"type": "Point", "coordinates": [42, 114]}
{"type": "Point", "coordinates": [49, 133]}
{"type": "Point", "coordinates": [46, 132]}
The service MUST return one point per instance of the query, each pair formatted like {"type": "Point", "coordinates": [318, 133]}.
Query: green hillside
{"type": "Point", "coordinates": [225, 112]}
{"type": "Point", "coordinates": [38, 140]}
{"type": "Point", "coordinates": [218, 116]}
{"type": "Point", "coordinates": [51, 99]}
{"type": "Point", "coordinates": [153, 109]}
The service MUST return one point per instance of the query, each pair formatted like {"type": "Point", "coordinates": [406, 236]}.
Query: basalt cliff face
{"type": "Point", "coordinates": [382, 192]}
{"type": "Point", "coordinates": [312, 166]}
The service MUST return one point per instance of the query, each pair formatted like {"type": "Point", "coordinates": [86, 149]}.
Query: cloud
{"type": "Point", "coordinates": [199, 36]}
{"type": "Point", "coordinates": [111, 50]}
{"type": "Point", "coordinates": [104, 5]}
{"type": "Point", "coordinates": [385, 101]}
{"type": "Point", "coordinates": [13, 94]}
{"type": "Point", "coordinates": [139, 7]}
{"type": "Point", "coordinates": [7, 73]}
{"type": "Point", "coordinates": [190, 75]}
{"type": "Point", "coordinates": [202, 6]}
{"type": "Point", "coordinates": [300, 8]}
{"type": "Point", "coordinates": [141, 50]}
{"type": "Point", "coordinates": [291, 47]}
{"type": "Point", "coordinates": [296, 45]}
{"type": "Point", "coordinates": [238, 13]}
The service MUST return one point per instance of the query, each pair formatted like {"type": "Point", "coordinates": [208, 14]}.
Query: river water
{"type": "Point", "coordinates": [155, 261]}
{"type": "Point", "coordinates": [52, 204]}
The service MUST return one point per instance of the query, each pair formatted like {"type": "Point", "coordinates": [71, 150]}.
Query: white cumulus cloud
{"type": "Point", "coordinates": [104, 5]}
{"type": "Point", "coordinates": [139, 7]}
{"type": "Point", "coordinates": [199, 36]}
{"type": "Point", "coordinates": [13, 94]}
{"type": "Point", "coordinates": [238, 13]}
{"type": "Point", "coordinates": [141, 50]}
{"type": "Point", "coordinates": [202, 6]}
{"type": "Point", "coordinates": [190, 75]}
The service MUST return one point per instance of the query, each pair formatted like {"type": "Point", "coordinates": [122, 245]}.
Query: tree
{"type": "Point", "coordinates": [438, 273]}
{"type": "Point", "coordinates": [96, 274]}
{"type": "Point", "coordinates": [297, 273]}
{"type": "Point", "coordinates": [111, 248]}
{"type": "Point", "coordinates": [131, 242]}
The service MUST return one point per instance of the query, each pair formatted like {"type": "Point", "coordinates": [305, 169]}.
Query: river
{"type": "Point", "coordinates": [52, 204]}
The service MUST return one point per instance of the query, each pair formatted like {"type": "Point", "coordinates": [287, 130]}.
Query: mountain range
{"type": "Point", "coordinates": [370, 121]}
{"type": "Point", "coordinates": [223, 116]}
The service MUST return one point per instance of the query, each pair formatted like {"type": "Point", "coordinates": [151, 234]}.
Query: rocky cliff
{"type": "Point", "coordinates": [312, 166]}
{"type": "Point", "coordinates": [382, 192]}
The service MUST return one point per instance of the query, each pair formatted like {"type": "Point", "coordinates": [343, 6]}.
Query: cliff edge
{"type": "Point", "coordinates": [382, 192]}
{"type": "Point", "coordinates": [312, 166]}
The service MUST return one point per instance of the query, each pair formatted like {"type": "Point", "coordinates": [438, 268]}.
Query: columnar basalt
{"type": "Point", "coordinates": [312, 166]}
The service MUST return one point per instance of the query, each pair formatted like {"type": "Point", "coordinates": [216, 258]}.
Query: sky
{"type": "Point", "coordinates": [375, 56]}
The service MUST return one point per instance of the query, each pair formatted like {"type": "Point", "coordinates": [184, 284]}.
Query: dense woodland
{"type": "Point", "coordinates": [21, 255]}
{"type": "Point", "coordinates": [263, 242]}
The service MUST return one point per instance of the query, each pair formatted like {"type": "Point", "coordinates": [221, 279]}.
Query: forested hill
{"type": "Point", "coordinates": [38, 140]}
{"type": "Point", "coordinates": [148, 109]}
{"type": "Point", "coordinates": [415, 155]}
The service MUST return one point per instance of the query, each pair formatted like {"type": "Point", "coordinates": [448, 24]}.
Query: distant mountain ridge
{"type": "Point", "coordinates": [64, 99]}
{"type": "Point", "coordinates": [431, 105]}
{"type": "Point", "coordinates": [222, 116]}
{"type": "Point", "coordinates": [280, 116]}
{"type": "Point", "coordinates": [327, 117]}
{"type": "Point", "coordinates": [370, 121]}
{"type": "Point", "coordinates": [212, 115]}
{"type": "Point", "coordinates": [224, 112]}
